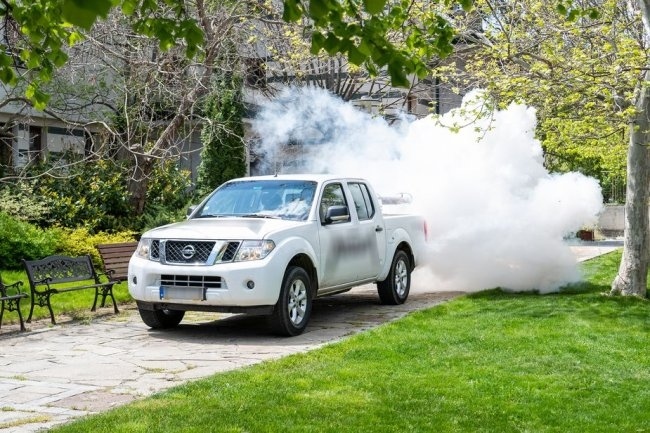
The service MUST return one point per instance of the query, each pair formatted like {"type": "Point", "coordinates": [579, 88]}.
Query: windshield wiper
{"type": "Point", "coordinates": [213, 216]}
{"type": "Point", "coordinates": [259, 215]}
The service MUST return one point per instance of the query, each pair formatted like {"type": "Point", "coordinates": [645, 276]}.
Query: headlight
{"type": "Point", "coordinates": [144, 249]}
{"type": "Point", "coordinates": [254, 250]}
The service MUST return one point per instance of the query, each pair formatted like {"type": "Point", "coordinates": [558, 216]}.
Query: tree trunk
{"type": "Point", "coordinates": [139, 183]}
{"type": "Point", "coordinates": [633, 271]}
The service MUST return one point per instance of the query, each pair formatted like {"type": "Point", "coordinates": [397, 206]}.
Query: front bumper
{"type": "Point", "coordinates": [211, 288]}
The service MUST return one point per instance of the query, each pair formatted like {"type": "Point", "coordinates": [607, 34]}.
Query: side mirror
{"type": "Point", "coordinates": [336, 214]}
{"type": "Point", "coordinates": [190, 210]}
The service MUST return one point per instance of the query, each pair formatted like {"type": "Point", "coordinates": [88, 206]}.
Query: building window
{"type": "Point", "coordinates": [35, 139]}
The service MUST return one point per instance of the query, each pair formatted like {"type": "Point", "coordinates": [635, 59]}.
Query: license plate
{"type": "Point", "coordinates": [182, 293]}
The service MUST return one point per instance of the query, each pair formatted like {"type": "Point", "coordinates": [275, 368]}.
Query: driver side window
{"type": "Point", "coordinates": [332, 196]}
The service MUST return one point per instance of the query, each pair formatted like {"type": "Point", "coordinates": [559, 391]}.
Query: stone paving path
{"type": "Point", "coordinates": [52, 374]}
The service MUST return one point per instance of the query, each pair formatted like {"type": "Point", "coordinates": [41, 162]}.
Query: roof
{"type": "Point", "coordinates": [320, 178]}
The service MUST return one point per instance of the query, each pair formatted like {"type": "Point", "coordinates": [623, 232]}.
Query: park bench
{"type": "Point", "coordinates": [115, 258]}
{"type": "Point", "coordinates": [10, 296]}
{"type": "Point", "coordinates": [58, 274]}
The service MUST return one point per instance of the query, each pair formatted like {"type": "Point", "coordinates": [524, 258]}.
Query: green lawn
{"type": "Point", "coordinates": [489, 362]}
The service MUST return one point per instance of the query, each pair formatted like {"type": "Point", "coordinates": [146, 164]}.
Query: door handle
{"type": "Point", "coordinates": [379, 229]}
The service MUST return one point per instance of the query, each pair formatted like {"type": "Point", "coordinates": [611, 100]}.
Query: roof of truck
{"type": "Point", "coordinates": [314, 177]}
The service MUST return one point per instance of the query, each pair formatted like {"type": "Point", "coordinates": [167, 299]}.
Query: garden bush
{"type": "Point", "coordinates": [18, 200]}
{"type": "Point", "coordinates": [96, 196]}
{"type": "Point", "coordinates": [22, 240]}
{"type": "Point", "coordinates": [78, 242]}
{"type": "Point", "coordinates": [91, 195]}
{"type": "Point", "coordinates": [156, 216]}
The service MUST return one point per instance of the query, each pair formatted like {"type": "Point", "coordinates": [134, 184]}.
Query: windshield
{"type": "Point", "coordinates": [286, 199]}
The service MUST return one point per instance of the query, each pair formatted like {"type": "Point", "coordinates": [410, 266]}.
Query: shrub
{"type": "Point", "coordinates": [160, 216]}
{"type": "Point", "coordinates": [18, 201]}
{"type": "Point", "coordinates": [78, 242]}
{"type": "Point", "coordinates": [169, 187]}
{"type": "Point", "coordinates": [168, 195]}
{"type": "Point", "coordinates": [22, 240]}
{"type": "Point", "coordinates": [224, 153]}
{"type": "Point", "coordinates": [91, 195]}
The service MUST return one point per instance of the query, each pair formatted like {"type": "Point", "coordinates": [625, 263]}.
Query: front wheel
{"type": "Point", "coordinates": [293, 308]}
{"type": "Point", "coordinates": [395, 288]}
{"type": "Point", "coordinates": [161, 319]}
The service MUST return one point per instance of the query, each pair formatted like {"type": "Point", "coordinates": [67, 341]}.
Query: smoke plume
{"type": "Point", "coordinates": [496, 217]}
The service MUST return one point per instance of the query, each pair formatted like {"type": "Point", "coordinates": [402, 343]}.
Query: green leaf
{"type": "Point", "coordinates": [573, 15]}
{"type": "Point", "coordinates": [397, 74]}
{"type": "Point", "coordinates": [74, 38]}
{"type": "Point", "coordinates": [5, 60]}
{"type": "Point", "coordinates": [33, 62]}
{"type": "Point", "coordinates": [331, 44]}
{"type": "Point", "coordinates": [317, 42]}
{"type": "Point", "coordinates": [374, 7]}
{"type": "Point", "coordinates": [421, 70]}
{"type": "Point", "coordinates": [292, 11]}
{"type": "Point", "coordinates": [355, 56]}
{"type": "Point", "coordinates": [148, 5]}
{"type": "Point", "coordinates": [84, 13]}
{"type": "Point", "coordinates": [318, 9]}
{"type": "Point", "coordinates": [365, 47]}
{"type": "Point", "coordinates": [466, 4]}
{"type": "Point", "coordinates": [59, 58]}
{"type": "Point", "coordinates": [36, 96]}
{"type": "Point", "coordinates": [193, 37]}
{"type": "Point", "coordinates": [129, 6]}
{"type": "Point", "coordinates": [7, 75]}
{"type": "Point", "coordinates": [372, 68]}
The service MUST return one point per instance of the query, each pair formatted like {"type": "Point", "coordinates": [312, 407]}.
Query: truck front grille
{"type": "Point", "coordinates": [190, 281]}
{"type": "Point", "coordinates": [192, 252]}
{"type": "Point", "coordinates": [188, 252]}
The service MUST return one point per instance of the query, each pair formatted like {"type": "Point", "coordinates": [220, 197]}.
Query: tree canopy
{"type": "Point", "coordinates": [364, 31]}
{"type": "Point", "coordinates": [38, 32]}
{"type": "Point", "coordinates": [579, 74]}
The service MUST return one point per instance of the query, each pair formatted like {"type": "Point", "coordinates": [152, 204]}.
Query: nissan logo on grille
{"type": "Point", "coordinates": [188, 252]}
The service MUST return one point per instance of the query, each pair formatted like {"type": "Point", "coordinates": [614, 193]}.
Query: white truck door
{"type": "Point", "coordinates": [338, 240]}
{"type": "Point", "coordinates": [371, 232]}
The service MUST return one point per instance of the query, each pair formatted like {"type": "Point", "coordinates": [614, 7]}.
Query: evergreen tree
{"type": "Point", "coordinates": [224, 153]}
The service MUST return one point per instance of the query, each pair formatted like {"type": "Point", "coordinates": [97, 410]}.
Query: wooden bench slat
{"type": "Point", "coordinates": [115, 258]}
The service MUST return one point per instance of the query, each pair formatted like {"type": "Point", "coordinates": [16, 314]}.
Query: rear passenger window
{"type": "Point", "coordinates": [362, 201]}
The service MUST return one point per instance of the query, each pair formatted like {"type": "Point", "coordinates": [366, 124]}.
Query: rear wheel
{"type": "Point", "coordinates": [293, 309]}
{"type": "Point", "coordinates": [161, 319]}
{"type": "Point", "coordinates": [395, 288]}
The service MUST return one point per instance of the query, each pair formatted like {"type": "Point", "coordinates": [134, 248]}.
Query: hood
{"type": "Point", "coordinates": [221, 228]}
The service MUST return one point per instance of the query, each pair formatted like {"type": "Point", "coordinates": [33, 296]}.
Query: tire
{"type": "Point", "coordinates": [395, 288]}
{"type": "Point", "coordinates": [161, 319]}
{"type": "Point", "coordinates": [293, 309]}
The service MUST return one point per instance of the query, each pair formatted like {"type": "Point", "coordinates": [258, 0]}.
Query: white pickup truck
{"type": "Point", "coordinates": [270, 245]}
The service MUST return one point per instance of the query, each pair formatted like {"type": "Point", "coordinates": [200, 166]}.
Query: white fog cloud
{"type": "Point", "coordinates": [496, 217]}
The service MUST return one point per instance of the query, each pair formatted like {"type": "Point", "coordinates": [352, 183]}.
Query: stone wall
{"type": "Point", "coordinates": [611, 221]}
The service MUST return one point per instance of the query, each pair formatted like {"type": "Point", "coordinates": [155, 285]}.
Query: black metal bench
{"type": "Point", "coordinates": [10, 296]}
{"type": "Point", "coordinates": [55, 274]}
{"type": "Point", "coordinates": [115, 258]}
